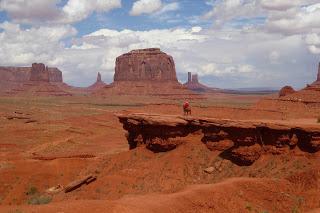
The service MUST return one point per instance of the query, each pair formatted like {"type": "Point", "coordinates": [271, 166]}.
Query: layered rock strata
{"type": "Point", "coordinates": [145, 65]}
{"type": "Point", "coordinates": [242, 142]}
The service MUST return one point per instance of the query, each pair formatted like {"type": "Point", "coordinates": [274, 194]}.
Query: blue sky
{"type": "Point", "coordinates": [229, 43]}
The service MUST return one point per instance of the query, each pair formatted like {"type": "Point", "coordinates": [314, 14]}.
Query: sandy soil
{"type": "Point", "coordinates": [50, 141]}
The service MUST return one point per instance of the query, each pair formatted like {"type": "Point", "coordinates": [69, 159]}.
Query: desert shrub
{"type": "Point", "coordinates": [39, 200]}
{"type": "Point", "coordinates": [32, 190]}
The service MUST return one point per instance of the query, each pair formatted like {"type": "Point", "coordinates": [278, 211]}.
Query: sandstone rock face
{"type": "Point", "coordinates": [145, 65]}
{"type": "Point", "coordinates": [242, 142]}
{"type": "Point", "coordinates": [37, 72]}
{"type": "Point", "coordinates": [55, 75]}
{"type": "Point", "coordinates": [286, 90]}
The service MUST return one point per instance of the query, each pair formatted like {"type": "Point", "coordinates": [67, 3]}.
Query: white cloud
{"type": "Point", "coordinates": [168, 8]}
{"type": "Point", "coordinates": [227, 10]}
{"type": "Point", "coordinates": [47, 11]}
{"type": "Point", "coordinates": [22, 47]}
{"type": "Point", "coordinates": [274, 57]}
{"type": "Point", "coordinates": [145, 7]}
{"type": "Point", "coordinates": [296, 20]}
{"type": "Point", "coordinates": [279, 4]}
{"type": "Point", "coordinates": [77, 10]}
{"type": "Point", "coordinates": [31, 10]}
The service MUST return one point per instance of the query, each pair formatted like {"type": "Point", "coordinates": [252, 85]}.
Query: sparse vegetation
{"type": "Point", "coordinates": [249, 207]}
{"type": "Point", "coordinates": [35, 198]}
{"type": "Point", "coordinates": [32, 190]}
{"type": "Point", "coordinates": [39, 199]}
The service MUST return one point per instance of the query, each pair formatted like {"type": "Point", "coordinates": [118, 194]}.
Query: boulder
{"type": "Point", "coordinates": [286, 90]}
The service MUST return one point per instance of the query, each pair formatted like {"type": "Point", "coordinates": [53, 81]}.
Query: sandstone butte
{"type": "Point", "coordinates": [242, 142]}
{"type": "Point", "coordinates": [37, 72]}
{"type": "Point", "coordinates": [194, 84]}
{"type": "Point", "coordinates": [35, 80]}
{"type": "Point", "coordinates": [146, 71]}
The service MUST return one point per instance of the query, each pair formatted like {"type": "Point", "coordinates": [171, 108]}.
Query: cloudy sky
{"type": "Point", "coordinates": [229, 43]}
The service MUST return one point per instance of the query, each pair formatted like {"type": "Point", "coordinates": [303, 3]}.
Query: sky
{"type": "Point", "coordinates": [228, 43]}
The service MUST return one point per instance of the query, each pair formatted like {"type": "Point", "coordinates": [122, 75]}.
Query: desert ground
{"type": "Point", "coordinates": [49, 142]}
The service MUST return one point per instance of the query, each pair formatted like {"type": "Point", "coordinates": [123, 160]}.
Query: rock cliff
{"type": "Point", "coordinates": [37, 72]}
{"type": "Point", "coordinates": [242, 142]}
{"type": "Point", "coordinates": [145, 65]}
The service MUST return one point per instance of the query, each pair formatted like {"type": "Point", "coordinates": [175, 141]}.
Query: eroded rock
{"type": "Point", "coordinates": [145, 65]}
{"type": "Point", "coordinates": [286, 90]}
{"type": "Point", "coordinates": [242, 142]}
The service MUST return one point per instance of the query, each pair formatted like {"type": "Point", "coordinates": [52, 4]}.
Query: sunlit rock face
{"type": "Point", "coordinates": [145, 65]}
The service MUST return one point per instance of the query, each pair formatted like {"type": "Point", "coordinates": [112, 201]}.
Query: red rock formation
{"type": "Point", "coordinates": [35, 80]}
{"type": "Point", "coordinates": [99, 77]}
{"type": "Point", "coordinates": [39, 72]}
{"type": "Point", "coordinates": [98, 84]}
{"type": "Point", "coordinates": [242, 142]}
{"type": "Point", "coordinates": [145, 72]}
{"type": "Point", "coordinates": [286, 90]}
{"type": "Point", "coordinates": [55, 75]}
{"type": "Point", "coordinates": [194, 84]}
{"type": "Point", "coordinates": [145, 65]}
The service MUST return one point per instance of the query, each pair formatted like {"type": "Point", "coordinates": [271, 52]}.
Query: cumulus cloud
{"type": "Point", "coordinates": [77, 10]}
{"type": "Point", "coordinates": [31, 10]}
{"type": "Point", "coordinates": [279, 4]}
{"type": "Point", "coordinates": [47, 11]}
{"type": "Point", "coordinates": [21, 47]}
{"type": "Point", "coordinates": [145, 7]}
{"type": "Point", "coordinates": [226, 10]}
{"type": "Point", "coordinates": [296, 20]}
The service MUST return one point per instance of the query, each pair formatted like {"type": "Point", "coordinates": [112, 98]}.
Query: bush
{"type": "Point", "coordinates": [32, 190]}
{"type": "Point", "coordinates": [39, 200]}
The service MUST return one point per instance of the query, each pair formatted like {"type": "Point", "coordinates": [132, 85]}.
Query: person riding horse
{"type": "Point", "coordinates": [186, 108]}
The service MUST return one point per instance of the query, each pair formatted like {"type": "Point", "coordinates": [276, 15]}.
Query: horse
{"type": "Point", "coordinates": [186, 110]}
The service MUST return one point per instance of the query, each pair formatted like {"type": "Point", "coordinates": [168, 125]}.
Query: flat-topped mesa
{"type": "Point", "coordinates": [145, 65]}
{"type": "Point", "coordinates": [37, 72]}
{"type": "Point", "coordinates": [242, 142]}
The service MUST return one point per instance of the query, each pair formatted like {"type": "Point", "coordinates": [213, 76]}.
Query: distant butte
{"type": "Point", "coordinates": [35, 80]}
{"type": "Point", "coordinates": [98, 84]}
{"type": "Point", "coordinates": [146, 72]}
{"type": "Point", "coordinates": [194, 84]}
